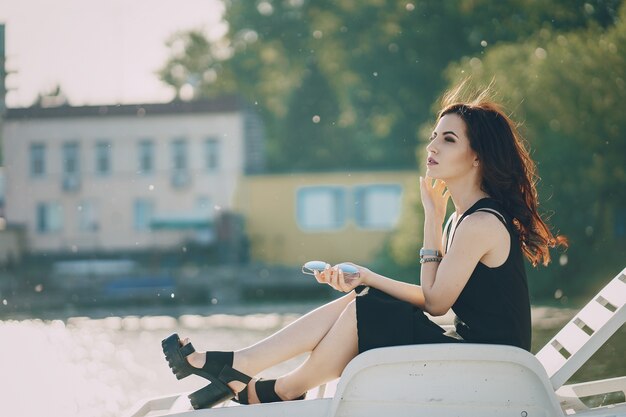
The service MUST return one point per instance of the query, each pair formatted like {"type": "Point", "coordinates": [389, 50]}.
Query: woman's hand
{"type": "Point", "coordinates": [335, 277]}
{"type": "Point", "coordinates": [434, 198]}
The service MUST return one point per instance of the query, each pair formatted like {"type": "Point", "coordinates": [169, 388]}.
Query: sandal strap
{"type": "Point", "coordinates": [228, 374]}
{"type": "Point", "coordinates": [265, 391]}
{"type": "Point", "coordinates": [187, 350]}
{"type": "Point", "coordinates": [242, 396]}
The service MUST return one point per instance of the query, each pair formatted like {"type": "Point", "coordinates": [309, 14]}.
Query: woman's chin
{"type": "Point", "coordinates": [432, 173]}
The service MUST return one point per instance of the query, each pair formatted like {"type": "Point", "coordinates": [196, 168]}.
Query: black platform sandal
{"type": "Point", "coordinates": [265, 392]}
{"type": "Point", "coordinates": [218, 369]}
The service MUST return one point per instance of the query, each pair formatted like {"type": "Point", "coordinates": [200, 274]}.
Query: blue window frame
{"type": "Point", "coordinates": [71, 163]}
{"type": "Point", "coordinates": [37, 160]}
{"type": "Point", "coordinates": [143, 211]}
{"type": "Point", "coordinates": [146, 157]}
{"type": "Point", "coordinates": [377, 206]}
{"type": "Point", "coordinates": [321, 208]}
{"type": "Point", "coordinates": [212, 154]}
{"type": "Point", "coordinates": [179, 155]}
{"type": "Point", "coordinates": [88, 216]}
{"type": "Point", "coordinates": [103, 158]}
{"type": "Point", "coordinates": [49, 217]}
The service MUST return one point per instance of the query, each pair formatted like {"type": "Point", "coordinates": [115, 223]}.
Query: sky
{"type": "Point", "coordinates": [99, 52]}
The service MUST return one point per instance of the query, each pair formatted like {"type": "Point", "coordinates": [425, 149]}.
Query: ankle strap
{"type": "Point", "coordinates": [228, 374]}
{"type": "Point", "coordinates": [187, 350]}
{"type": "Point", "coordinates": [266, 392]}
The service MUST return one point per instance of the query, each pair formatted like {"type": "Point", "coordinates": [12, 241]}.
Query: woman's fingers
{"type": "Point", "coordinates": [334, 281]}
{"type": "Point", "coordinates": [341, 281]}
{"type": "Point", "coordinates": [334, 277]}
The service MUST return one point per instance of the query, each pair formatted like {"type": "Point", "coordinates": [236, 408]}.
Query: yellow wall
{"type": "Point", "coordinates": [268, 203]}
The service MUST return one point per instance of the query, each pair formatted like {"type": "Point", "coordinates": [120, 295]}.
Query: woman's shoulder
{"type": "Point", "coordinates": [492, 207]}
{"type": "Point", "coordinates": [480, 233]}
{"type": "Point", "coordinates": [482, 220]}
{"type": "Point", "coordinates": [486, 217]}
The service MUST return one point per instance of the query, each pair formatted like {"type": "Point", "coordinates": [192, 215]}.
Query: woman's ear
{"type": "Point", "coordinates": [476, 163]}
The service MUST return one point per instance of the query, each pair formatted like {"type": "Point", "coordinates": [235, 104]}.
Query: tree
{"type": "Point", "coordinates": [383, 59]}
{"type": "Point", "coordinates": [568, 89]}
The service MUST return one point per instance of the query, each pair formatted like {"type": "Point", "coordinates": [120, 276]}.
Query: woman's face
{"type": "Point", "coordinates": [449, 153]}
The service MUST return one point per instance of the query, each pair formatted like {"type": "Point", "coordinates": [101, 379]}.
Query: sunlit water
{"type": "Point", "coordinates": [100, 367]}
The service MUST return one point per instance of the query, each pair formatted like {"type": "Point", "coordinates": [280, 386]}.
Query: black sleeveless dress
{"type": "Point", "coordinates": [493, 307]}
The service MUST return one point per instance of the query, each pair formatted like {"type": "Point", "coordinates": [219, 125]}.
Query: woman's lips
{"type": "Point", "coordinates": [431, 161]}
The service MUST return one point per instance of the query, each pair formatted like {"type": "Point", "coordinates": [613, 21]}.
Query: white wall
{"type": "Point", "coordinates": [115, 194]}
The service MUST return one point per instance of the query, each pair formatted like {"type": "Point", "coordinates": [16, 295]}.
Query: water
{"type": "Point", "coordinates": [100, 367]}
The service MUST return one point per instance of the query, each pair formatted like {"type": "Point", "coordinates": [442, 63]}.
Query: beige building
{"type": "Point", "coordinates": [126, 177]}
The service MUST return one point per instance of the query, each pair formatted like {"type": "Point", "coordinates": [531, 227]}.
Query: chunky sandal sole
{"type": "Point", "coordinates": [179, 365]}
{"type": "Point", "coordinates": [214, 393]}
{"type": "Point", "coordinates": [210, 395]}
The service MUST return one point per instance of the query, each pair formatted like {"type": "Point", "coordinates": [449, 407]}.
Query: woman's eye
{"type": "Point", "coordinates": [449, 139]}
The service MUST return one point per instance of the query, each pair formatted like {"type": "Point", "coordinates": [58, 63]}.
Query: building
{"type": "Point", "coordinates": [329, 216]}
{"type": "Point", "coordinates": [126, 177]}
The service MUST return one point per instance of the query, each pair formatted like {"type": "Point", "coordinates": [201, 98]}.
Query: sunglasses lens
{"type": "Point", "coordinates": [348, 269]}
{"type": "Point", "coordinates": [315, 265]}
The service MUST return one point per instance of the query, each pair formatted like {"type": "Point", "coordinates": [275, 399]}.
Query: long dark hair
{"type": "Point", "coordinates": [508, 172]}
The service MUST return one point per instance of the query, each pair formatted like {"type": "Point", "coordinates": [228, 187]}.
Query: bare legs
{"type": "Point", "coordinates": [329, 332]}
{"type": "Point", "coordinates": [327, 360]}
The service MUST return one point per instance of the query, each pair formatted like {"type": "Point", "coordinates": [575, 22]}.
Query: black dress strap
{"type": "Point", "coordinates": [446, 233]}
{"type": "Point", "coordinates": [486, 205]}
{"type": "Point", "coordinates": [494, 212]}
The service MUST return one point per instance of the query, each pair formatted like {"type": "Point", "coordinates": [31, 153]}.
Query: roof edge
{"type": "Point", "coordinates": [221, 104]}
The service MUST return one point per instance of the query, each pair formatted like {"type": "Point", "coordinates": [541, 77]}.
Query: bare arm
{"type": "Point", "coordinates": [404, 291]}
{"type": "Point", "coordinates": [442, 282]}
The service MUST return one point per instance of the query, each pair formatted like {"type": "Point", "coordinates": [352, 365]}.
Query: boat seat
{"type": "Point", "coordinates": [571, 347]}
{"type": "Point", "coordinates": [472, 380]}
{"type": "Point", "coordinates": [441, 380]}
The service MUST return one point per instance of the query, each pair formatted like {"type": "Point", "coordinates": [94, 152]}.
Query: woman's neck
{"type": "Point", "coordinates": [464, 196]}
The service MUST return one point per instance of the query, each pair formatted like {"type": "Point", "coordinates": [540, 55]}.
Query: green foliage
{"type": "Point", "coordinates": [379, 61]}
{"type": "Point", "coordinates": [567, 87]}
{"type": "Point", "coordinates": [372, 69]}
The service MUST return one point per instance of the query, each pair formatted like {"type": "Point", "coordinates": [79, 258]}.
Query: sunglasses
{"type": "Point", "coordinates": [349, 272]}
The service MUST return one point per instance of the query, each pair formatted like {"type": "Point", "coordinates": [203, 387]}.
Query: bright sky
{"type": "Point", "coordinates": [99, 51]}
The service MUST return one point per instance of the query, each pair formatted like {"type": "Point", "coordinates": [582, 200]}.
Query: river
{"type": "Point", "coordinates": [99, 366]}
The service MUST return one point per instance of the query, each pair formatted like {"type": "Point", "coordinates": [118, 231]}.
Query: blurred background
{"type": "Point", "coordinates": [171, 168]}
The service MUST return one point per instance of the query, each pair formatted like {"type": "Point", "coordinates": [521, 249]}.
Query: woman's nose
{"type": "Point", "coordinates": [431, 146]}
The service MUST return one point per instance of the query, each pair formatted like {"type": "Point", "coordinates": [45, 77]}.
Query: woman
{"type": "Point", "coordinates": [474, 266]}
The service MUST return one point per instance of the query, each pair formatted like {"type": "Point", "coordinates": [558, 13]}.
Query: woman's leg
{"type": "Point", "coordinates": [329, 358]}
{"type": "Point", "coordinates": [303, 335]}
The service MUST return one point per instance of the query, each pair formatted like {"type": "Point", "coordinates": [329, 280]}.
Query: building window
{"type": "Point", "coordinates": [103, 158]}
{"type": "Point", "coordinates": [70, 158]}
{"type": "Point", "coordinates": [212, 154]}
{"type": "Point", "coordinates": [49, 217]}
{"type": "Point", "coordinates": [203, 206]}
{"type": "Point", "coordinates": [377, 206]}
{"type": "Point", "coordinates": [321, 208]}
{"type": "Point", "coordinates": [179, 155]}
{"type": "Point", "coordinates": [146, 157]}
{"type": "Point", "coordinates": [180, 177]}
{"type": "Point", "coordinates": [143, 212]}
{"type": "Point", "coordinates": [87, 216]}
{"type": "Point", "coordinates": [37, 160]}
